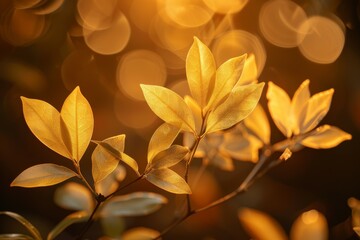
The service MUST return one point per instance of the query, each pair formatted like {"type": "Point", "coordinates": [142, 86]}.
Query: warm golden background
{"type": "Point", "coordinates": [109, 47]}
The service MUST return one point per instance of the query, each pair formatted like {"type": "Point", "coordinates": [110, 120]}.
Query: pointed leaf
{"type": "Point", "coordinates": [227, 76]}
{"type": "Point", "coordinates": [250, 72]}
{"type": "Point", "coordinates": [326, 137]}
{"type": "Point", "coordinates": [133, 204]}
{"type": "Point", "coordinates": [109, 184]}
{"type": "Point", "coordinates": [44, 122]}
{"type": "Point", "coordinates": [260, 225]}
{"type": "Point", "coordinates": [310, 225]}
{"type": "Point", "coordinates": [200, 71]}
{"type": "Point", "coordinates": [42, 175]}
{"type": "Point", "coordinates": [240, 103]}
{"type": "Point", "coordinates": [103, 161]}
{"type": "Point", "coordinates": [78, 123]}
{"type": "Point", "coordinates": [298, 103]}
{"type": "Point", "coordinates": [140, 233]}
{"type": "Point", "coordinates": [196, 112]}
{"type": "Point", "coordinates": [169, 157]}
{"type": "Point", "coordinates": [258, 124]}
{"type": "Point", "coordinates": [279, 105]}
{"type": "Point", "coordinates": [316, 109]}
{"type": "Point", "coordinates": [162, 139]}
{"type": "Point", "coordinates": [168, 180]}
{"type": "Point", "coordinates": [74, 196]}
{"type": "Point", "coordinates": [169, 106]}
{"type": "Point", "coordinates": [33, 230]}
{"type": "Point", "coordinates": [75, 217]}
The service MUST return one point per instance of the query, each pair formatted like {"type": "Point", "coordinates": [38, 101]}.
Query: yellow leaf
{"type": "Point", "coordinates": [44, 122]}
{"type": "Point", "coordinates": [240, 103]}
{"type": "Point", "coordinates": [326, 136]}
{"type": "Point", "coordinates": [279, 105]}
{"type": "Point", "coordinates": [316, 109]}
{"type": "Point", "coordinates": [258, 124]}
{"type": "Point", "coordinates": [169, 106]}
{"type": "Point", "coordinates": [42, 175]}
{"type": "Point", "coordinates": [109, 184]}
{"type": "Point", "coordinates": [103, 160]}
{"type": "Point", "coordinates": [196, 111]}
{"type": "Point", "coordinates": [242, 148]}
{"type": "Point", "coordinates": [298, 104]}
{"type": "Point", "coordinates": [310, 225]}
{"type": "Point", "coordinates": [168, 157]}
{"type": "Point", "coordinates": [168, 180]}
{"type": "Point", "coordinates": [250, 73]}
{"type": "Point", "coordinates": [78, 119]}
{"type": "Point", "coordinates": [162, 139]}
{"type": "Point", "coordinates": [227, 76]}
{"type": "Point", "coordinates": [260, 225]}
{"type": "Point", "coordinates": [200, 72]}
{"type": "Point", "coordinates": [140, 233]}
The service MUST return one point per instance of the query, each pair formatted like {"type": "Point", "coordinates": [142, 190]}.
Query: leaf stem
{"type": "Point", "coordinates": [81, 176]}
{"type": "Point", "coordinates": [90, 220]}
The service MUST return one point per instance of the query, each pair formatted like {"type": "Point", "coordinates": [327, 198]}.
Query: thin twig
{"type": "Point", "coordinates": [125, 186]}
{"type": "Point", "coordinates": [89, 221]}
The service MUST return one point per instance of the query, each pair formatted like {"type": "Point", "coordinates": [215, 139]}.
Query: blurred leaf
{"type": "Point", "coordinates": [17, 236]}
{"type": "Point", "coordinates": [354, 204]}
{"type": "Point", "coordinates": [104, 161]}
{"type": "Point", "coordinates": [162, 139]}
{"type": "Point", "coordinates": [109, 184]}
{"type": "Point", "coordinates": [299, 101]}
{"type": "Point", "coordinates": [74, 196]}
{"type": "Point", "coordinates": [240, 103]}
{"type": "Point", "coordinates": [44, 122]}
{"type": "Point", "coordinates": [133, 204]}
{"type": "Point", "coordinates": [261, 226]}
{"type": "Point", "coordinates": [311, 225]}
{"type": "Point", "coordinates": [78, 123]}
{"type": "Point", "coordinates": [112, 226]}
{"type": "Point", "coordinates": [75, 217]}
{"type": "Point", "coordinates": [326, 136]}
{"type": "Point", "coordinates": [316, 109]}
{"type": "Point", "coordinates": [169, 106]}
{"type": "Point", "coordinates": [42, 175]}
{"type": "Point", "coordinates": [114, 154]}
{"type": "Point", "coordinates": [168, 157]}
{"type": "Point", "coordinates": [168, 180]}
{"type": "Point", "coordinates": [227, 76]}
{"type": "Point", "coordinates": [33, 230]}
{"type": "Point", "coordinates": [200, 72]}
{"type": "Point", "coordinates": [279, 105]}
{"type": "Point", "coordinates": [240, 147]}
{"type": "Point", "coordinates": [258, 124]}
{"type": "Point", "coordinates": [140, 233]}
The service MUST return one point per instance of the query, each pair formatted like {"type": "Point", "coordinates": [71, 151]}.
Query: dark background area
{"type": "Point", "coordinates": [311, 179]}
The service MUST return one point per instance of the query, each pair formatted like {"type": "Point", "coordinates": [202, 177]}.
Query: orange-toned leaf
{"type": "Point", "coordinates": [326, 136]}
{"type": "Point", "coordinates": [74, 196]}
{"type": "Point", "coordinates": [196, 111]}
{"type": "Point", "coordinates": [200, 71]}
{"type": "Point", "coordinates": [310, 225]}
{"type": "Point", "coordinates": [78, 123]}
{"type": "Point", "coordinates": [42, 175]}
{"type": "Point", "coordinates": [168, 180]}
{"type": "Point", "coordinates": [298, 103]}
{"type": "Point", "coordinates": [168, 157]}
{"type": "Point", "coordinates": [162, 139]}
{"type": "Point", "coordinates": [140, 233]}
{"type": "Point", "coordinates": [279, 105]}
{"type": "Point", "coordinates": [240, 103]}
{"type": "Point", "coordinates": [260, 225]}
{"type": "Point", "coordinates": [169, 106]}
{"type": "Point", "coordinates": [109, 184]}
{"type": "Point", "coordinates": [44, 122]}
{"type": "Point", "coordinates": [250, 72]}
{"type": "Point", "coordinates": [258, 124]}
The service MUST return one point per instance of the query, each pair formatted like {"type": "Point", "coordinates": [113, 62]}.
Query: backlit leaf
{"type": "Point", "coordinates": [227, 76]}
{"type": "Point", "coordinates": [78, 119]}
{"type": "Point", "coordinates": [240, 103]}
{"type": "Point", "coordinates": [74, 196]}
{"type": "Point", "coordinates": [316, 109]}
{"type": "Point", "coordinates": [260, 225]}
{"type": "Point", "coordinates": [75, 217]}
{"type": "Point", "coordinates": [168, 180]}
{"type": "Point", "coordinates": [109, 184]}
{"type": "Point", "coordinates": [169, 157]}
{"type": "Point", "coordinates": [310, 225]}
{"type": "Point", "coordinates": [42, 175]}
{"type": "Point", "coordinates": [44, 122]}
{"type": "Point", "coordinates": [200, 71]}
{"type": "Point", "coordinates": [162, 139]}
{"type": "Point", "coordinates": [133, 204]}
{"type": "Point", "coordinates": [279, 105]}
{"type": "Point", "coordinates": [326, 136]}
{"type": "Point", "coordinates": [31, 228]}
{"type": "Point", "coordinates": [169, 106]}
{"type": "Point", "coordinates": [196, 112]}
{"type": "Point", "coordinates": [103, 160]}
{"type": "Point", "coordinates": [258, 124]}
{"type": "Point", "coordinates": [250, 72]}
{"type": "Point", "coordinates": [298, 103]}
{"type": "Point", "coordinates": [140, 233]}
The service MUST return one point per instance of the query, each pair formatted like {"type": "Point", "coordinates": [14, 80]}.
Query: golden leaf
{"type": "Point", "coordinates": [168, 157]}
{"type": "Point", "coordinates": [240, 103]}
{"type": "Point", "coordinates": [258, 124]}
{"type": "Point", "coordinates": [326, 136]}
{"type": "Point", "coordinates": [109, 184]}
{"type": "Point", "coordinates": [162, 139]}
{"type": "Point", "coordinates": [42, 175]}
{"type": "Point", "coordinates": [78, 123]}
{"type": "Point", "coordinates": [169, 106]}
{"type": "Point", "coordinates": [260, 225]}
{"type": "Point", "coordinates": [227, 76]}
{"type": "Point", "coordinates": [250, 72]}
{"type": "Point", "coordinates": [310, 225]}
{"type": "Point", "coordinates": [279, 105]}
{"type": "Point", "coordinates": [168, 180]}
{"type": "Point", "coordinates": [44, 122]}
{"type": "Point", "coordinates": [200, 72]}
{"type": "Point", "coordinates": [196, 111]}
{"type": "Point", "coordinates": [140, 233]}
{"type": "Point", "coordinates": [298, 104]}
